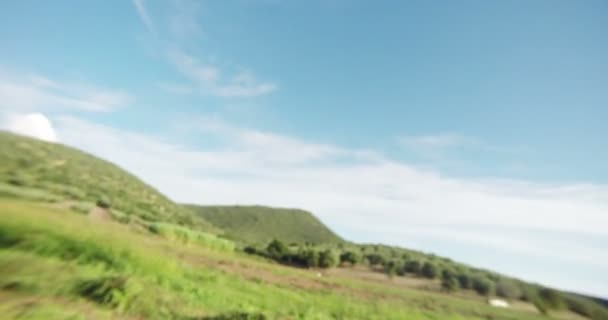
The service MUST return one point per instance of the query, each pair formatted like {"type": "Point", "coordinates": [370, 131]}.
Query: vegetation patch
{"type": "Point", "coordinates": [260, 225]}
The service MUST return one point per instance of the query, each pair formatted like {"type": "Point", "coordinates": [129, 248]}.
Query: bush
{"type": "Point", "coordinates": [508, 289]}
{"type": "Point", "coordinates": [483, 285]}
{"type": "Point", "coordinates": [551, 298]}
{"type": "Point", "coordinates": [250, 250]}
{"type": "Point", "coordinates": [464, 281]}
{"type": "Point", "coordinates": [120, 216]}
{"type": "Point", "coordinates": [277, 250]}
{"type": "Point", "coordinates": [391, 268]}
{"type": "Point", "coordinates": [413, 266]}
{"type": "Point", "coordinates": [350, 257]}
{"type": "Point", "coordinates": [103, 202]}
{"type": "Point", "coordinates": [327, 259]}
{"type": "Point", "coordinates": [311, 258]}
{"type": "Point", "coordinates": [429, 270]}
{"type": "Point", "coordinates": [108, 291]}
{"type": "Point", "coordinates": [448, 281]}
{"type": "Point", "coordinates": [374, 259]}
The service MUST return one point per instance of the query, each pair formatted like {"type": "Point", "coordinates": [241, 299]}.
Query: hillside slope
{"type": "Point", "coordinates": [52, 172]}
{"type": "Point", "coordinates": [260, 225]}
{"type": "Point", "coordinates": [56, 264]}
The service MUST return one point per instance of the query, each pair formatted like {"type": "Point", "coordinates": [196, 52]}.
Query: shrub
{"type": "Point", "coordinates": [464, 281]}
{"type": "Point", "coordinates": [551, 298]}
{"type": "Point", "coordinates": [391, 268]}
{"type": "Point", "coordinates": [375, 259]}
{"type": "Point", "coordinates": [429, 270]}
{"type": "Point", "coordinates": [277, 250]}
{"type": "Point", "coordinates": [311, 258]}
{"type": "Point", "coordinates": [413, 266]}
{"type": "Point", "coordinates": [508, 289]}
{"type": "Point", "coordinates": [327, 259]}
{"type": "Point", "coordinates": [350, 257]}
{"type": "Point", "coordinates": [448, 281]}
{"type": "Point", "coordinates": [483, 285]}
{"type": "Point", "coordinates": [108, 291]}
{"type": "Point", "coordinates": [103, 202]}
{"type": "Point", "coordinates": [120, 216]}
{"type": "Point", "coordinates": [250, 250]}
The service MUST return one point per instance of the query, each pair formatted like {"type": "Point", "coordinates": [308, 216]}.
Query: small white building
{"type": "Point", "coordinates": [499, 303]}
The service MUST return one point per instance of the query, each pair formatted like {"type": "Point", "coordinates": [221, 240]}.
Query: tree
{"type": "Point", "coordinates": [374, 259]}
{"type": "Point", "coordinates": [277, 250]}
{"type": "Point", "coordinates": [391, 268]}
{"type": "Point", "coordinates": [350, 257]}
{"type": "Point", "coordinates": [310, 258]}
{"type": "Point", "coordinates": [507, 289]}
{"type": "Point", "coordinates": [448, 281]}
{"type": "Point", "coordinates": [464, 281]}
{"type": "Point", "coordinates": [327, 259]}
{"type": "Point", "coordinates": [483, 285]}
{"type": "Point", "coordinates": [413, 266]}
{"type": "Point", "coordinates": [429, 270]}
{"type": "Point", "coordinates": [551, 298]}
{"type": "Point", "coordinates": [250, 250]}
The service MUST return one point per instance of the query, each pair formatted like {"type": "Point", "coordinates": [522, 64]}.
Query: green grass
{"type": "Point", "coordinates": [187, 236]}
{"type": "Point", "coordinates": [37, 170]}
{"type": "Point", "coordinates": [260, 225]}
{"type": "Point", "coordinates": [56, 257]}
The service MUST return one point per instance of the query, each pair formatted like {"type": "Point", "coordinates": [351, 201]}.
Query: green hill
{"type": "Point", "coordinates": [50, 172]}
{"type": "Point", "coordinates": [260, 225]}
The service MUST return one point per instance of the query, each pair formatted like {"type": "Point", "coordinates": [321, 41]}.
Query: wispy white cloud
{"type": "Point", "coordinates": [259, 167]}
{"type": "Point", "coordinates": [208, 79]}
{"type": "Point", "coordinates": [437, 141]}
{"type": "Point", "coordinates": [203, 78]}
{"type": "Point", "coordinates": [183, 19]}
{"type": "Point", "coordinates": [144, 16]}
{"type": "Point", "coordinates": [35, 93]}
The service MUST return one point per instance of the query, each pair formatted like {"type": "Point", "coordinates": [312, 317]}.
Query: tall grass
{"type": "Point", "coordinates": [187, 236]}
{"type": "Point", "coordinates": [54, 254]}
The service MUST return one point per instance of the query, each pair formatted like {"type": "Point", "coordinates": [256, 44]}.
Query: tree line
{"type": "Point", "coordinates": [451, 275]}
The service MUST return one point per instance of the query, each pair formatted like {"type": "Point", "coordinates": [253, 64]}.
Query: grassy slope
{"type": "Point", "coordinates": [54, 172]}
{"type": "Point", "coordinates": [55, 264]}
{"type": "Point", "coordinates": [260, 225]}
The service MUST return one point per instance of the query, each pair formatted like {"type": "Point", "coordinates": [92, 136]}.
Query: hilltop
{"type": "Point", "coordinates": [52, 172]}
{"type": "Point", "coordinates": [260, 224]}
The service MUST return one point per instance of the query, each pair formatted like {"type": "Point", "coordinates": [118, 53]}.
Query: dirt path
{"type": "Point", "coordinates": [100, 214]}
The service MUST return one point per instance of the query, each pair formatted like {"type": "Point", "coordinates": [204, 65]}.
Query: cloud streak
{"type": "Point", "coordinates": [445, 140]}
{"type": "Point", "coordinates": [142, 12]}
{"type": "Point", "coordinates": [203, 78]}
{"type": "Point", "coordinates": [35, 92]}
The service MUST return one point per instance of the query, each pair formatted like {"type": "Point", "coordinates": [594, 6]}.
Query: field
{"type": "Point", "coordinates": [57, 263]}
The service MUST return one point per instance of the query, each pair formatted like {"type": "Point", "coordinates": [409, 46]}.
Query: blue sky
{"type": "Point", "coordinates": [473, 129]}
